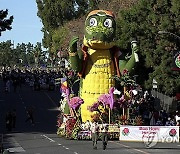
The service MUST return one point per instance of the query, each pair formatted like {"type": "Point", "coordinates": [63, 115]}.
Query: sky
{"type": "Point", "coordinates": [26, 26]}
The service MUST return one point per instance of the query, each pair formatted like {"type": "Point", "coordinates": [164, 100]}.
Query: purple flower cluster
{"type": "Point", "coordinates": [123, 102]}
{"type": "Point", "coordinates": [75, 102]}
{"type": "Point", "coordinates": [94, 107]}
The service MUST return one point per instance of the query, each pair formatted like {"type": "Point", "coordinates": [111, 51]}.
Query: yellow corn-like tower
{"type": "Point", "coordinates": [98, 79]}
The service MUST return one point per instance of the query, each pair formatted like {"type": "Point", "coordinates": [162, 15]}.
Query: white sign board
{"type": "Point", "coordinates": [155, 133]}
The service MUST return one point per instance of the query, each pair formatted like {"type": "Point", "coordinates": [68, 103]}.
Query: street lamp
{"type": "Point", "coordinates": [164, 32]}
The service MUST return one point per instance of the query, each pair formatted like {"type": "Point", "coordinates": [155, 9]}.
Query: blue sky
{"type": "Point", "coordinates": [26, 26]}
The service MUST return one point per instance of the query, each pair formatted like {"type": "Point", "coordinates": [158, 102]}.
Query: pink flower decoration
{"type": "Point", "coordinates": [76, 102]}
{"type": "Point", "coordinates": [94, 107]}
{"type": "Point", "coordinates": [107, 99]}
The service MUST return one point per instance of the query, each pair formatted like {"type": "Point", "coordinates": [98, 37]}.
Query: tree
{"type": "Point", "coordinates": [6, 53]}
{"type": "Point", "coordinates": [56, 13]}
{"type": "Point", "coordinates": [21, 51]}
{"type": "Point", "coordinates": [143, 21]}
{"type": "Point", "coordinates": [5, 23]}
{"type": "Point", "coordinates": [29, 54]}
{"type": "Point", "coordinates": [37, 51]}
{"type": "Point", "coordinates": [21, 55]}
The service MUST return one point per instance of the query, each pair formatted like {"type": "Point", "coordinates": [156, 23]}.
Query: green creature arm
{"type": "Point", "coordinates": [74, 56]}
{"type": "Point", "coordinates": [128, 62]}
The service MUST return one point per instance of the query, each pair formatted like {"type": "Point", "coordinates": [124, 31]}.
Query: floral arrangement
{"type": "Point", "coordinates": [123, 120]}
{"type": "Point", "coordinates": [60, 125]}
{"type": "Point", "coordinates": [94, 107]}
{"type": "Point", "coordinates": [96, 117]}
{"type": "Point", "coordinates": [122, 102]}
{"type": "Point", "coordinates": [105, 104]}
{"type": "Point", "coordinates": [70, 126]}
{"type": "Point", "coordinates": [138, 121]}
{"type": "Point", "coordinates": [76, 129]}
{"type": "Point", "coordinates": [59, 120]}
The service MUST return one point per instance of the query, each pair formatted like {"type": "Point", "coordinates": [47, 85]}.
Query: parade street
{"type": "Point", "coordinates": [41, 137]}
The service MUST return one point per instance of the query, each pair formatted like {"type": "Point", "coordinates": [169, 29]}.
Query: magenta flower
{"type": "Point", "coordinates": [75, 103]}
{"type": "Point", "coordinates": [107, 99]}
{"type": "Point", "coordinates": [121, 101]}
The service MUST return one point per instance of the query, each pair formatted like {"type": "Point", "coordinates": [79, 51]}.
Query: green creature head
{"type": "Point", "coordinates": [100, 29]}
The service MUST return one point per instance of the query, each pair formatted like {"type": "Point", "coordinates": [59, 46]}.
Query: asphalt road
{"type": "Point", "coordinates": [41, 138]}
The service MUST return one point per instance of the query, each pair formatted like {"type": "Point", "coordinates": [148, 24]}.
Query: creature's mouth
{"type": "Point", "coordinates": [96, 38]}
{"type": "Point", "coordinates": [95, 43]}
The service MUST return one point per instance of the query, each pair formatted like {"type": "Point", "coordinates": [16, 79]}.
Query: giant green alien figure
{"type": "Point", "coordinates": [99, 60]}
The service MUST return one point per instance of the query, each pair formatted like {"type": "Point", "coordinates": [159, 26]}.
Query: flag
{"type": "Point", "coordinates": [64, 85]}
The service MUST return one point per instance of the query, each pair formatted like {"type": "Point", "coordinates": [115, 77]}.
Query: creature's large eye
{"type": "Point", "coordinates": [108, 23]}
{"type": "Point", "coordinates": [93, 22]}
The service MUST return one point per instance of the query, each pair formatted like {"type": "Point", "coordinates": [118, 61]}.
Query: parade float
{"type": "Point", "coordinates": [106, 89]}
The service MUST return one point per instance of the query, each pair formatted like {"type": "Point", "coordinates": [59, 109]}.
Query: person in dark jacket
{"type": "Point", "coordinates": [14, 118]}
{"type": "Point", "coordinates": [9, 121]}
{"type": "Point", "coordinates": [30, 112]}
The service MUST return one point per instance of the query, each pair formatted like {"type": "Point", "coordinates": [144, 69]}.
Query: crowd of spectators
{"type": "Point", "coordinates": [145, 106]}
{"type": "Point", "coordinates": [38, 79]}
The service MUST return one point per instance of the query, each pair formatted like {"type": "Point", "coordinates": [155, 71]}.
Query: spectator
{"type": "Point", "coordinates": [9, 121]}
{"type": "Point", "coordinates": [164, 117]}
{"type": "Point", "coordinates": [8, 85]}
{"type": "Point", "coordinates": [156, 115]}
{"type": "Point", "coordinates": [177, 117]}
{"type": "Point", "coordinates": [169, 122]}
{"type": "Point", "coordinates": [151, 118]}
{"type": "Point", "coordinates": [159, 122]}
{"type": "Point", "coordinates": [14, 118]}
{"type": "Point", "coordinates": [30, 115]}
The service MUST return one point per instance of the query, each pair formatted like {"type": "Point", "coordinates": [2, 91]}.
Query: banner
{"type": "Point", "coordinates": [146, 133]}
{"type": "Point", "coordinates": [176, 61]}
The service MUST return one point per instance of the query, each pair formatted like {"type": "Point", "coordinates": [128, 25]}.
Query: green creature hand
{"type": "Point", "coordinates": [135, 51]}
{"type": "Point", "coordinates": [73, 44]}
{"type": "Point", "coordinates": [134, 46]}
{"type": "Point", "coordinates": [74, 56]}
